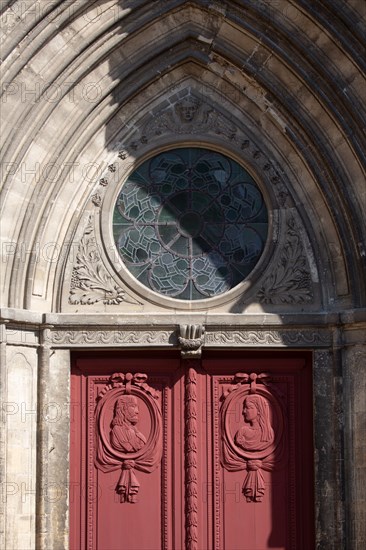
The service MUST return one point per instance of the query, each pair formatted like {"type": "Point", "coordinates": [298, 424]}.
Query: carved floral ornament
{"type": "Point", "coordinates": [90, 281]}
{"type": "Point", "coordinates": [258, 443]}
{"type": "Point", "coordinates": [290, 281]}
{"type": "Point", "coordinates": [128, 431]}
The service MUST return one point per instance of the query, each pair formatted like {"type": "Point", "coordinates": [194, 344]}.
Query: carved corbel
{"type": "Point", "coordinates": [191, 340]}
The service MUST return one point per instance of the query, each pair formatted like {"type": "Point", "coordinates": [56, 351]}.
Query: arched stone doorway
{"type": "Point", "coordinates": [97, 90]}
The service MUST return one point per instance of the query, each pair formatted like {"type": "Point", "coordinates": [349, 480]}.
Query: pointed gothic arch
{"type": "Point", "coordinates": [91, 90]}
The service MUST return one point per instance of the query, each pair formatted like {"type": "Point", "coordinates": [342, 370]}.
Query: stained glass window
{"type": "Point", "coordinates": [190, 223]}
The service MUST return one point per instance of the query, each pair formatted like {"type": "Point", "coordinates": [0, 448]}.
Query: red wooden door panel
{"type": "Point", "coordinates": [248, 446]}
{"type": "Point", "coordinates": [262, 475]}
{"type": "Point", "coordinates": [123, 487]}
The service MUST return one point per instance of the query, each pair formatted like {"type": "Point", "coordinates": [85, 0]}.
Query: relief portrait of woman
{"type": "Point", "coordinates": [257, 432]}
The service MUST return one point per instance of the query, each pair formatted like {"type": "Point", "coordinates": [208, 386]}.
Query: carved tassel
{"type": "Point", "coordinates": [253, 487]}
{"type": "Point", "coordinates": [128, 486]}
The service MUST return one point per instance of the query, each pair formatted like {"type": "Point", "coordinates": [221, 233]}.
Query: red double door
{"type": "Point", "coordinates": [215, 453]}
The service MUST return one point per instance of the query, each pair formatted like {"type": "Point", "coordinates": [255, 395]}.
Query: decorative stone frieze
{"type": "Point", "coordinates": [111, 337]}
{"type": "Point", "coordinates": [270, 337]}
{"type": "Point", "coordinates": [191, 343]}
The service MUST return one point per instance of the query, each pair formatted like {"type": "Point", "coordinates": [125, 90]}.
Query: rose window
{"type": "Point", "coordinates": [190, 223]}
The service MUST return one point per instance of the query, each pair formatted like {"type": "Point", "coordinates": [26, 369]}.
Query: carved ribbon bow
{"type": "Point", "coordinates": [244, 378]}
{"type": "Point", "coordinates": [120, 380]}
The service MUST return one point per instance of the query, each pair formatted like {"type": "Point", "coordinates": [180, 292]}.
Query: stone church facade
{"type": "Point", "coordinates": [93, 94]}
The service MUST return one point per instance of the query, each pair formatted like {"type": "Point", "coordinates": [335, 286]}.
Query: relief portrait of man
{"type": "Point", "coordinates": [257, 432]}
{"type": "Point", "coordinates": [125, 437]}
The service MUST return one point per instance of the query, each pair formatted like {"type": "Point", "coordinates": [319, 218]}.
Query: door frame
{"type": "Point", "coordinates": [63, 336]}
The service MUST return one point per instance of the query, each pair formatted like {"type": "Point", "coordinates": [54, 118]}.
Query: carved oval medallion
{"type": "Point", "coordinates": [129, 425]}
{"type": "Point", "coordinates": [128, 431]}
{"type": "Point", "coordinates": [253, 428]}
{"type": "Point", "coordinates": [252, 424]}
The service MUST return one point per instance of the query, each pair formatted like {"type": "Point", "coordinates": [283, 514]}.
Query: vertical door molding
{"type": "Point", "coordinates": [42, 474]}
{"type": "Point", "coordinates": [53, 419]}
{"type": "Point", "coordinates": [190, 451]}
{"type": "Point", "coordinates": [354, 388]}
{"type": "Point", "coordinates": [191, 341]}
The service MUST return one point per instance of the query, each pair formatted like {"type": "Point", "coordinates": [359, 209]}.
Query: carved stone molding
{"type": "Point", "coordinates": [270, 337]}
{"type": "Point", "coordinates": [289, 281]}
{"type": "Point", "coordinates": [260, 443]}
{"type": "Point", "coordinates": [107, 336]}
{"type": "Point", "coordinates": [111, 337]}
{"type": "Point", "coordinates": [119, 442]}
{"type": "Point", "coordinates": [191, 340]}
{"type": "Point", "coordinates": [96, 199]}
{"type": "Point", "coordinates": [90, 282]}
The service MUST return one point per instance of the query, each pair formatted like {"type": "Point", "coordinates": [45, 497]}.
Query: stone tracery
{"type": "Point", "coordinates": [190, 223]}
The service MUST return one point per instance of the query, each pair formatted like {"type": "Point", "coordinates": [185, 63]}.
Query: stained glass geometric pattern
{"type": "Point", "coordinates": [190, 223]}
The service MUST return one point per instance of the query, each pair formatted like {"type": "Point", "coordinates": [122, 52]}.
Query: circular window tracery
{"type": "Point", "coordinates": [190, 223]}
